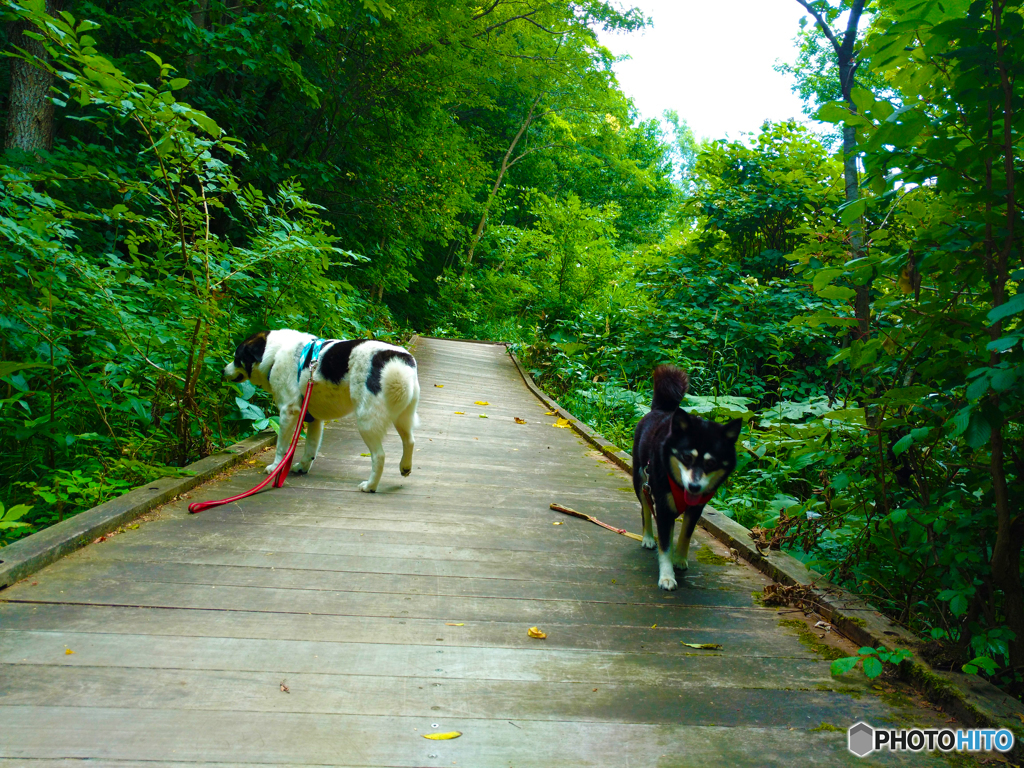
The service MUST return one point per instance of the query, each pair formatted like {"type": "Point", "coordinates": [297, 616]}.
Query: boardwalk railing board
{"type": "Point", "coordinates": [971, 699]}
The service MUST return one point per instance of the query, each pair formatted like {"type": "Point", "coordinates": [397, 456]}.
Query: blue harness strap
{"type": "Point", "coordinates": [310, 354]}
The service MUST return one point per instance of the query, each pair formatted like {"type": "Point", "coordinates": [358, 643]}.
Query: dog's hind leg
{"type": "Point", "coordinates": [314, 433]}
{"type": "Point", "coordinates": [404, 425]}
{"type": "Point", "coordinates": [682, 549]}
{"type": "Point", "coordinates": [289, 423]}
{"type": "Point", "coordinates": [373, 441]}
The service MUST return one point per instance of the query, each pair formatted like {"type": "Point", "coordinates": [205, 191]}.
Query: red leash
{"type": "Point", "coordinates": [278, 475]}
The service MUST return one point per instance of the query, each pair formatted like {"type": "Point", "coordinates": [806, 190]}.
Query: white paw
{"type": "Point", "coordinates": [302, 467]}
{"type": "Point", "coordinates": [668, 582]}
{"type": "Point", "coordinates": [648, 542]}
{"type": "Point", "coordinates": [270, 469]}
{"type": "Point", "coordinates": [365, 487]}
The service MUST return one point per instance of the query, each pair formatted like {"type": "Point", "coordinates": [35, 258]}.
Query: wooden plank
{"type": "Point", "coordinates": [636, 590]}
{"type": "Point", "coordinates": [756, 635]}
{"type": "Point", "coordinates": [438, 660]}
{"type": "Point", "coordinates": [604, 701]}
{"type": "Point", "coordinates": [300, 739]}
{"type": "Point", "coordinates": [349, 603]}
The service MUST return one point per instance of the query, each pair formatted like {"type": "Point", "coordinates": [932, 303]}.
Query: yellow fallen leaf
{"type": "Point", "coordinates": [364, 454]}
{"type": "Point", "coordinates": [483, 415]}
{"type": "Point", "coordinates": [68, 651]}
{"type": "Point", "coordinates": [460, 624]}
{"type": "Point", "coordinates": [480, 402]}
{"type": "Point", "coordinates": [653, 626]}
{"type": "Point", "coordinates": [442, 736]}
{"type": "Point", "coordinates": [561, 424]}
{"type": "Point", "coordinates": [558, 522]}
{"type": "Point", "coordinates": [460, 413]}
{"type": "Point", "coordinates": [439, 386]}
{"type": "Point", "coordinates": [549, 413]}
{"type": "Point", "coordinates": [703, 646]}
{"type": "Point", "coordinates": [534, 632]}
{"type": "Point", "coordinates": [518, 420]}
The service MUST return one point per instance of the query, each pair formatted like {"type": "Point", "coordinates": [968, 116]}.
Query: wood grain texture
{"type": "Point", "coordinates": [391, 615]}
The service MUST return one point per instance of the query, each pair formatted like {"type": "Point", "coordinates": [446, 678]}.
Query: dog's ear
{"type": "Point", "coordinates": [732, 429]}
{"type": "Point", "coordinates": [251, 350]}
{"type": "Point", "coordinates": [680, 420]}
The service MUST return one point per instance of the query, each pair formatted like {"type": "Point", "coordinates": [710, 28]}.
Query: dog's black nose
{"type": "Point", "coordinates": [694, 488]}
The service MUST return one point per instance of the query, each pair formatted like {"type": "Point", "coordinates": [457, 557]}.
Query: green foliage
{"type": "Point", "coordinates": [121, 290]}
{"type": "Point", "coordinates": [872, 661]}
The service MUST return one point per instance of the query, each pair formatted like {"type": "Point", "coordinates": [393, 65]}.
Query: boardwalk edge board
{"type": "Point", "coordinates": [973, 701]}
{"type": "Point", "coordinates": [36, 551]}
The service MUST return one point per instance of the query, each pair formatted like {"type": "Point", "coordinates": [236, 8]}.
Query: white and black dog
{"type": "Point", "coordinates": [375, 380]}
{"type": "Point", "coordinates": [679, 461]}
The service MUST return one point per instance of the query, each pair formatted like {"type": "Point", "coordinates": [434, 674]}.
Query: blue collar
{"type": "Point", "coordinates": [310, 354]}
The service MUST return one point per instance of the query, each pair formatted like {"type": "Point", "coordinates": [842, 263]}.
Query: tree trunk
{"type": "Point", "coordinates": [1006, 551]}
{"type": "Point", "coordinates": [30, 112]}
{"type": "Point", "coordinates": [199, 10]}
{"type": "Point", "coordinates": [506, 163]}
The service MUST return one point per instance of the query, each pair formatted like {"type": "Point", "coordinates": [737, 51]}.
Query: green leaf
{"type": "Point", "coordinates": [1012, 307]}
{"type": "Point", "coordinates": [902, 444]}
{"type": "Point", "coordinates": [853, 211]}
{"type": "Point", "coordinates": [1004, 378]}
{"type": "Point", "coordinates": [178, 83]}
{"type": "Point", "coordinates": [978, 387]}
{"type": "Point", "coordinates": [958, 605]}
{"type": "Point", "coordinates": [978, 430]}
{"type": "Point", "coordinates": [1003, 344]}
{"type": "Point", "coordinates": [872, 667]}
{"type": "Point", "coordinates": [825, 276]}
{"type": "Point", "coordinates": [837, 292]}
{"type": "Point", "coordinates": [7, 368]}
{"type": "Point", "coordinates": [960, 421]}
{"type": "Point", "coordinates": [833, 112]}
{"type": "Point", "coordinates": [844, 665]}
{"type": "Point", "coordinates": [984, 662]}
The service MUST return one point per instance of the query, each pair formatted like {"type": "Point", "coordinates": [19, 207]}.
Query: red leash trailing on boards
{"type": "Point", "coordinates": [278, 475]}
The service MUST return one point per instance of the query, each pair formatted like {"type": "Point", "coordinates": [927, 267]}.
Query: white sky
{"type": "Point", "coordinates": [711, 61]}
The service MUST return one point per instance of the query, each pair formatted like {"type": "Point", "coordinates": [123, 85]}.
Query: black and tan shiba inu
{"type": "Point", "coordinates": [679, 461]}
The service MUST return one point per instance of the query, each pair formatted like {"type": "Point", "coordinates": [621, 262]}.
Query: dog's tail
{"type": "Point", "coordinates": [399, 386]}
{"type": "Point", "coordinates": [670, 385]}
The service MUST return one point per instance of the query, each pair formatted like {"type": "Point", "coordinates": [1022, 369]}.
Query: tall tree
{"type": "Point", "coordinates": [825, 15]}
{"type": "Point", "coordinates": [30, 108]}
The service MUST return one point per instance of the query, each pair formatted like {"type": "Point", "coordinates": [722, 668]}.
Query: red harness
{"type": "Point", "coordinates": [681, 497]}
{"type": "Point", "coordinates": [684, 498]}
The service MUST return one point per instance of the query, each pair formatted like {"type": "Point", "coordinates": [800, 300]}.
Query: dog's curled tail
{"type": "Point", "coordinates": [670, 386]}
{"type": "Point", "coordinates": [400, 386]}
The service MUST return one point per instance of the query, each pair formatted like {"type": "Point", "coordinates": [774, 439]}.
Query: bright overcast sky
{"type": "Point", "coordinates": [711, 61]}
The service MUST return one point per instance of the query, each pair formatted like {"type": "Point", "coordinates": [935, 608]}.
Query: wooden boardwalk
{"type": "Point", "coordinates": [317, 625]}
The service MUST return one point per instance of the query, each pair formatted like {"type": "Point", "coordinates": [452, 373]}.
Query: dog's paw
{"type": "Point", "coordinates": [270, 468]}
{"type": "Point", "coordinates": [365, 487]}
{"type": "Point", "coordinates": [648, 542]}
{"type": "Point", "coordinates": [681, 564]}
{"type": "Point", "coordinates": [405, 472]}
{"type": "Point", "coordinates": [668, 583]}
{"type": "Point", "coordinates": [298, 469]}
